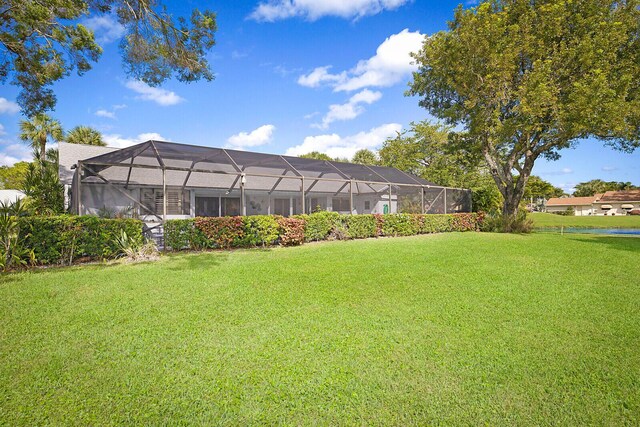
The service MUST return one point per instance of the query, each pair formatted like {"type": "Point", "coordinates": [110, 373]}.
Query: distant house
{"type": "Point", "coordinates": [581, 206]}
{"type": "Point", "coordinates": [617, 202]}
{"type": "Point", "coordinates": [609, 203]}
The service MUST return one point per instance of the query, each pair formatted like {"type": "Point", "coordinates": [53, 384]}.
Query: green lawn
{"type": "Point", "coordinates": [457, 329]}
{"type": "Point", "coordinates": [547, 220]}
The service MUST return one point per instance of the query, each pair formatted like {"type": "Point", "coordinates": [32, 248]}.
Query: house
{"type": "Point", "coordinates": [617, 202]}
{"type": "Point", "coordinates": [608, 203]}
{"type": "Point", "coordinates": [581, 206]}
{"type": "Point", "coordinates": [158, 180]}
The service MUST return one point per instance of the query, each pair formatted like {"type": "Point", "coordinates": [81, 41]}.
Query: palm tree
{"type": "Point", "coordinates": [38, 130]}
{"type": "Point", "coordinates": [85, 135]}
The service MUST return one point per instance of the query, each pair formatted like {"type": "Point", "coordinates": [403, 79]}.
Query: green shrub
{"type": "Point", "coordinates": [224, 232]}
{"type": "Point", "coordinates": [361, 226]}
{"type": "Point", "coordinates": [261, 230]}
{"type": "Point", "coordinates": [64, 238]}
{"type": "Point", "coordinates": [319, 225]}
{"type": "Point", "coordinates": [399, 225]}
{"type": "Point", "coordinates": [183, 234]}
{"type": "Point", "coordinates": [291, 231]}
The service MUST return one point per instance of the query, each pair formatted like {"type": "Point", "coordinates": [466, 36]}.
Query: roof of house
{"type": "Point", "coordinates": [620, 196]}
{"type": "Point", "coordinates": [572, 201]}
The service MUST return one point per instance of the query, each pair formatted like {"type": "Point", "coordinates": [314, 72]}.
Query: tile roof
{"type": "Point", "coordinates": [572, 201]}
{"type": "Point", "coordinates": [620, 196]}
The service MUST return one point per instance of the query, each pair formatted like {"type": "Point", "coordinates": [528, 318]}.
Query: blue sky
{"type": "Point", "coordinates": [291, 76]}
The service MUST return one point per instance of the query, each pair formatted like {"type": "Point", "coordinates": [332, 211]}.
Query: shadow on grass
{"type": "Point", "coordinates": [620, 242]}
{"type": "Point", "coordinates": [202, 259]}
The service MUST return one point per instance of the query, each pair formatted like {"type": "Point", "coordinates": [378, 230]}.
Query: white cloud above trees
{"type": "Point", "coordinates": [349, 110]}
{"type": "Point", "coordinates": [260, 136]}
{"type": "Point", "coordinates": [275, 10]}
{"type": "Point", "coordinates": [335, 145]}
{"type": "Point", "coordinates": [158, 95]}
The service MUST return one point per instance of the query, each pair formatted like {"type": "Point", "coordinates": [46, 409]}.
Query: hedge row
{"type": "Point", "coordinates": [249, 231]}
{"type": "Point", "coordinates": [64, 238]}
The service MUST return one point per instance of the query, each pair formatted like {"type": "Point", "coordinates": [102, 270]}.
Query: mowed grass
{"type": "Point", "coordinates": [547, 220]}
{"type": "Point", "coordinates": [456, 329]}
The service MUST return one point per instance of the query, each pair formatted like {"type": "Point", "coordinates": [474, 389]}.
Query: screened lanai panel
{"type": "Point", "coordinates": [434, 201]}
{"type": "Point", "coordinates": [398, 177]}
{"type": "Point", "coordinates": [314, 168]}
{"type": "Point", "coordinates": [359, 172]}
{"type": "Point", "coordinates": [458, 200]}
{"type": "Point", "coordinates": [409, 198]}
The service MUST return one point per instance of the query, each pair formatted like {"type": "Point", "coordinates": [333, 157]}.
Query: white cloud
{"type": "Point", "coordinates": [391, 64]}
{"type": "Point", "coordinates": [14, 153]}
{"type": "Point", "coordinates": [319, 76]}
{"type": "Point", "coordinates": [336, 146]}
{"type": "Point", "coordinates": [158, 95]}
{"type": "Point", "coordinates": [273, 10]}
{"type": "Point", "coordinates": [110, 114]}
{"type": "Point", "coordinates": [8, 107]}
{"type": "Point", "coordinates": [117, 141]}
{"type": "Point", "coordinates": [105, 113]}
{"type": "Point", "coordinates": [2, 131]}
{"type": "Point", "coordinates": [609, 168]}
{"type": "Point", "coordinates": [260, 136]}
{"type": "Point", "coordinates": [350, 110]}
{"type": "Point", "coordinates": [106, 28]}
{"type": "Point", "coordinates": [563, 171]}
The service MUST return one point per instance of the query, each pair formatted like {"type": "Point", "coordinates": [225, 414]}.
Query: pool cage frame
{"type": "Point", "coordinates": [172, 165]}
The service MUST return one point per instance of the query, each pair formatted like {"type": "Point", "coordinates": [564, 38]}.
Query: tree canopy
{"type": "Point", "coordinates": [84, 135]}
{"type": "Point", "coordinates": [528, 79]}
{"type": "Point", "coordinates": [12, 177]}
{"type": "Point", "coordinates": [316, 155]}
{"type": "Point", "coordinates": [365, 157]}
{"type": "Point", "coordinates": [596, 186]}
{"type": "Point", "coordinates": [39, 130]}
{"type": "Point", "coordinates": [44, 41]}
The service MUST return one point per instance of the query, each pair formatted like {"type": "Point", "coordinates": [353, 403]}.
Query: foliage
{"type": "Point", "coordinates": [538, 188]}
{"type": "Point", "coordinates": [291, 231]}
{"type": "Point", "coordinates": [12, 177]}
{"type": "Point", "coordinates": [264, 230]}
{"type": "Point", "coordinates": [13, 252]}
{"type": "Point", "coordinates": [567, 212]}
{"type": "Point", "coordinates": [399, 225]}
{"type": "Point", "coordinates": [365, 157]}
{"type": "Point", "coordinates": [319, 225]}
{"type": "Point", "coordinates": [595, 186]}
{"type": "Point", "coordinates": [85, 135]}
{"type": "Point", "coordinates": [65, 238]}
{"type": "Point", "coordinates": [225, 232]}
{"type": "Point", "coordinates": [45, 41]}
{"type": "Point", "coordinates": [135, 250]}
{"type": "Point", "coordinates": [497, 222]}
{"type": "Point", "coordinates": [361, 226]}
{"type": "Point", "coordinates": [42, 185]}
{"type": "Point", "coordinates": [182, 234]}
{"type": "Point", "coordinates": [124, 212]}
{"type": "Point", "coordinates": [528, 79]}
{"type": "Point", "coordinates": [315, 155]}
{"type": "Point", "coordinates": [39, 130]}
{"type": "Point", "coordinates": [260, 230]}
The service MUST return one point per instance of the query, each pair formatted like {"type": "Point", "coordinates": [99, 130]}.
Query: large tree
{"type": "Point", "coordinates": [44, 41]}
{"type": "Point", "coordinates": [526, 79]}
{"type": "Point", "coordinates": [365, 157]}
{"type": "Point", "coordinates": [12, 177]}
{"type": "Point", "coordinates": [85, 135]}
{"type": "Point", "coordinates": [40, 130]}
{"type": "Point", "coordinates": [315, 155]}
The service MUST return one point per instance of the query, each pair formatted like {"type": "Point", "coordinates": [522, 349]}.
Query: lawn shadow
{"type": "Point", "coordinates": [619, 242]}
{"type": "Point", "coordinates": [203, 259]}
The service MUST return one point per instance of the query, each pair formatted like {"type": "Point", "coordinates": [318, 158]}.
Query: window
{"type": "Point", "coordinates": [177, 201]}
{"type": "Point", "coordinates": [341, 205]}
{"type": "Point", "coordinates": [207, 206]}
{"type": "Point", "coordinates": [281, 207]}
{"type": "Point", "coordinates": [230, 206]}
{"type": "Point", "coordinates": [367, 205]}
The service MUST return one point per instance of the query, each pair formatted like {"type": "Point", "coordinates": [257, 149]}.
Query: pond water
{"type": "Point", "coordinates": [618, 231]}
